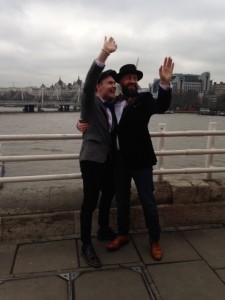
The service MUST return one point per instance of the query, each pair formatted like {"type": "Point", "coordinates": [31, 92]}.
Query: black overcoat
{"type": "Point", "coordinates": [133, 134]}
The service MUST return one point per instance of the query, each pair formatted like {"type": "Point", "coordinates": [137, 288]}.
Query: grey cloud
{"type": "Point", "coordinates": [42, 40]}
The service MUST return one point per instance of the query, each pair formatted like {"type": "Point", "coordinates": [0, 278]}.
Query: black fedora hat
{"type": "Point", "coordinates": [107, 73]}
{"type": "Point", "coordinates": [129, 69]}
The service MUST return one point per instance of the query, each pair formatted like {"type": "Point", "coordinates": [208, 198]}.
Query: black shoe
{"type": "Point", "coordinates": [90, 257]}
{"type": "Point", "coordinates": [106, 234]}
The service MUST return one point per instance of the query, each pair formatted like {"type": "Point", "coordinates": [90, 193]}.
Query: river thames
{"type": "Point", "coordinates": [54, 122]}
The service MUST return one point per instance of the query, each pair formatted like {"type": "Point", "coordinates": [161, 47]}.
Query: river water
{"type": "Point", "coordinates": [54, 122]}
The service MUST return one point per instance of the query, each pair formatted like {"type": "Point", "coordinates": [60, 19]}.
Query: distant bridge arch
{"type": "Point", "coordinates": [41, 98]}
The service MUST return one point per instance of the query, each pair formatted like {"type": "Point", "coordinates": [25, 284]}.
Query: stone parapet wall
{"type": "Point", "coordinates": [49, 212]}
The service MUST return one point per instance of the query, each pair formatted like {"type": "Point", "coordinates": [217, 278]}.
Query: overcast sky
{"type": "Point", "coordinates": [43, 40]}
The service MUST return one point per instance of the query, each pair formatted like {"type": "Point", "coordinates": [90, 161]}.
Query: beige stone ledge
{"type": "Point", "coordinates": [38, 213]}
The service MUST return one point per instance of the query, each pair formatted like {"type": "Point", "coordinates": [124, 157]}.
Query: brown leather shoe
{"type": "Point", "coordinates": [117, 243]}
{"type": "Point", "coordinates": [156, 251]}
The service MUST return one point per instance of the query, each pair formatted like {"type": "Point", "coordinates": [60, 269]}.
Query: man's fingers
{"type": "Point", "coordinates": [168, 62]}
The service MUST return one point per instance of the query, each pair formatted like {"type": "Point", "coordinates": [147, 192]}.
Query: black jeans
{"type": "Point", "coordinates": [144, 183]}
{"type": "Point", "coordinates": [97, 177]}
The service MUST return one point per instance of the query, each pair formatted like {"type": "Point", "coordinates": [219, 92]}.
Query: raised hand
{"type": "Point", "coordinates": [166, 70]}
{"type": "Point", "coordinates": [109, 45]}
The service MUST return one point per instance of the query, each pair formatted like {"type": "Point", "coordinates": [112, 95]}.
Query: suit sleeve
{"type": "Point", "coordinates": [91, 82]}
{"type": "Point", "coordinates": [88, 95]}
{"type": "Point", "coordinates": [163, 101]}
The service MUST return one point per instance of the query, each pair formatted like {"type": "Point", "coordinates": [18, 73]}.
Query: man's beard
{"type": "Point", "coordinates": [129, 92]}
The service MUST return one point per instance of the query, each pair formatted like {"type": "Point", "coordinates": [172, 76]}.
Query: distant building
{"type": "Point", "coordinates": [216, 98]}
{"type": "Point", "coordinates": [58, 91]}
{"type": "Point", "coordinates": [188, 83]}
{"type": "Point", "coordinates": [60, 85]}
{"type": "Point", "coordinates": [218, 89]}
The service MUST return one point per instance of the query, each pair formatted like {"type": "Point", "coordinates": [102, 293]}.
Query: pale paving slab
{"type": "Point", "coordinates": [7, 252]}
{"type": "Point", "coordinates": [46, 256]}
{"type": "Point", "coordinates": [45, 288]}
{"type": "Point", "coordinates": [192, 280]}
{"type": "Point", "coordinates": [125, 255]}
{"type": "Point", "coordinates": [210, 244]}
{"type": "Point", "coordinates": [111, 284]}
{"type": "Point", "coordinates": [175, 248]}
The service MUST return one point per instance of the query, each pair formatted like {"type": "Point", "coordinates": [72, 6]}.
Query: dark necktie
{"type": "Point", "coordinates": [108, 104]}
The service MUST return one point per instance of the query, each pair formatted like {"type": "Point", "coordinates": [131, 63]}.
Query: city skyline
{"type": "Point", "coordinates": [75, 81]}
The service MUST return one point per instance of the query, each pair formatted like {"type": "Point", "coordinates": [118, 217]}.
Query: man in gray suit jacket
{"type": "Point", "coordinates": [95, 155]}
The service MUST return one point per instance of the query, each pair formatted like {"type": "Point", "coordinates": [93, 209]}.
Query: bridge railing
{"type": "Point", "coordinates": [38, 102]}
{"type": "Point", "coordinates": [161, 153]}
{"type": "Point", "coordinates": [41, 97]}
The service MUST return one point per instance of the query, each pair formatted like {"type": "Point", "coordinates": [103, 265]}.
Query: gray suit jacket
{"type": "Point", "coordinates": [96, 143]}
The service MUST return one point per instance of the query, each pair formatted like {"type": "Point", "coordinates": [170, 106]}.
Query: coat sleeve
{"type": "Point", "coordinates": [163, 101]}
{"type": "Point", "coordinates": [89, 90]}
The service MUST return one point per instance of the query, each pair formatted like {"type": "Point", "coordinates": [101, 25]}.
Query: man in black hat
{"type": "Point", "coordinates": [134, 153]}
{"type": "Point", "coordinates": [96, 151]}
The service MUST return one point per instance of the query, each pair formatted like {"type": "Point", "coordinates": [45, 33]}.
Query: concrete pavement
{"type": "Point", "coordinates": [193, 268]}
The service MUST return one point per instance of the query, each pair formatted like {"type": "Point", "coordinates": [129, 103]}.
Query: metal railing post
{"type": "Point", "coordinates": [161, 143]}
{"type": "Point", "coordinates": [2, 167]}
{"type": "Point", "coordinates": [210, 145]}
{"type": "Point", "coordinates": [42, 97]}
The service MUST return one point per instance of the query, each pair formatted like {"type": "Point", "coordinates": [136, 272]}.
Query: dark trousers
{"type": "Point", "coordinates": [97, 177]}
{"type": "Point", "coordinates": [143, 179]}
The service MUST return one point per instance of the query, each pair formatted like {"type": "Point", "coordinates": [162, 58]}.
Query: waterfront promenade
{"type": "Point", "coordinates": [193, 268]}
{"type": "Point", "coordinates": [40, 247]}
{"type": "Point", "coordinates": [39, 230]}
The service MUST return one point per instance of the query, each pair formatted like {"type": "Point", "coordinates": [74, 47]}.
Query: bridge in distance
{"type": "Point", "coordinates": [29, 100]}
